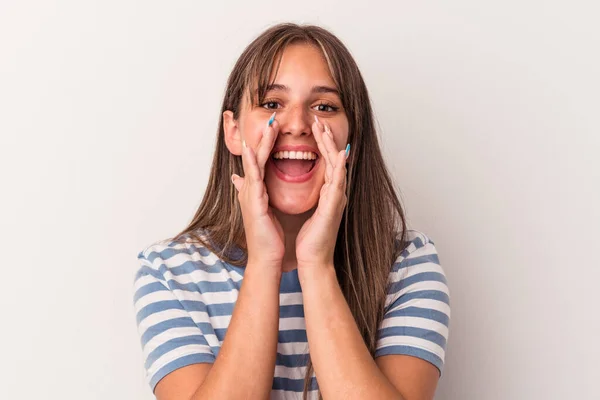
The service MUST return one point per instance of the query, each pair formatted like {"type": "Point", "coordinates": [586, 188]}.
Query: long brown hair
{"type": "Point", "coordinates": [372, 232]}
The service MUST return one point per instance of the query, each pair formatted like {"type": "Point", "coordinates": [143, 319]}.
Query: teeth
{"type": "Point", "coordinates": [295, 155]}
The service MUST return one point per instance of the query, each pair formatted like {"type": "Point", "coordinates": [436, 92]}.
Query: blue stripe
{"type": "Point", "coordinates": [292, 360]}
{"type": "Point", "coordinates": [293, 385]}
{"type": "Point", "coordinates": [416, 278]}
{"type": "Point", "coordinates": [204, 286]}
{"type": "Point", "coordinates": [158, 306]}
{"type": "Point", "coordinates": [178, 363]}
{"type": "Point", "coordinates": [421, 333]}
{"type": "Point", "coordinates": [189, 266]}
{"type": "Point", "coordinates": [174, 344]}
{"type": "Point", "coordinates": [193, 265]}
{"type": "Point", "coordinates": [291, 311]}
{"type": "Point", "coordinates": [145, 270]}
{"type": "Point", "coordinates": [427, 313]}
{"type": "Point", "coordinates": [293, 335]}
{"type": "Point", "coordinates": [169, 252]}
{"type": "Point", "coordinates": [414, 260]}
{"type": "Point", "coordinates": [149, 288]}
{"type": "Point", "coordinates": [411, 351]}
{"type": "Point", "coordinates": [217, 309]}
{"type": "Point", "coordinates": [163, 326]}
{"type": "Point", "coordinates": [220, 309]}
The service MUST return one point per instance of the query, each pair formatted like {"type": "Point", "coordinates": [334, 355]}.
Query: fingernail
{"type": "Point", "coordinates": [316, 119]}
{"type": "Point", "coordinates": [244, 143]}
{"type": "Point", "coordinates": [271, 119]}
{"type": "Point", "coordinates": [347, 150]}
{"type": "Point", "coordinates": [328, 130]}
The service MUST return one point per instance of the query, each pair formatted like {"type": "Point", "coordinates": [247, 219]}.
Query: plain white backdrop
{"type": "Point", "coordinates": [489, 121]}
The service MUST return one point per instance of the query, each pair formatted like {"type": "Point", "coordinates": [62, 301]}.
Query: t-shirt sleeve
{"type": "Point", "coordinates": [169, 336]}
{"type": "Point", "coordinates": [417, 313]}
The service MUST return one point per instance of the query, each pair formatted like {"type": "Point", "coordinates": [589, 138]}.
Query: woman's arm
{"type": "Point", "coordinates": [245, 364]}
{"type": "Point", "coordinates": [343, 365]}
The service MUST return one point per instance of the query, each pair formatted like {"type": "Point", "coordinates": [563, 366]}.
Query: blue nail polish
{"type": "Point", "coordinates": [347, 150]}
{"type": "Point", "coordinates": [272, 119]}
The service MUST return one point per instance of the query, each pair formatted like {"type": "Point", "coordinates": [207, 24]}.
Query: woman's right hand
{"type": "Point", "coordinates": [264, 234]}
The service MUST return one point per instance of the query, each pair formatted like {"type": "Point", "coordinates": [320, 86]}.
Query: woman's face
{"type": "Point", "coordinates": [302, 89]}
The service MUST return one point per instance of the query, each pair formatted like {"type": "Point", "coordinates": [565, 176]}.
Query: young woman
{"type": "Point", "coordinates": [300, 242]}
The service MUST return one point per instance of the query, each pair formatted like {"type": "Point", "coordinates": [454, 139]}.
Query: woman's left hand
{"type": "Point", "coordinates": [315, 243]}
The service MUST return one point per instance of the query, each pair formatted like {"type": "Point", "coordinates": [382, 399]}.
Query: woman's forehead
{"type": "Point", "coordinates": [300, 67]}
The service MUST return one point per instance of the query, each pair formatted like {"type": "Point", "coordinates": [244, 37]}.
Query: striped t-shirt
{"type": "Point", "coordinates": [184, 297]}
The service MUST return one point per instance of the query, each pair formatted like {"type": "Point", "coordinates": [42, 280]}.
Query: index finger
{"type": "Point", "coordinates": [251, 171]}
{"type": "Point", "coordinates": [263, 151]}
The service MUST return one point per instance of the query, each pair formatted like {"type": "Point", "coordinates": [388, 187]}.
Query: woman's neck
{"type": "Point", "coordinates": [291, 225]}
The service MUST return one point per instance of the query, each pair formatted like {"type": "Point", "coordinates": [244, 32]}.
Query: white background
{"type": "Point", "coordinates": [489, 120]}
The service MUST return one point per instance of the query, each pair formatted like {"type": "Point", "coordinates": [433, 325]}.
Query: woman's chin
{"type": "Point", "coordinates": [292, 206]}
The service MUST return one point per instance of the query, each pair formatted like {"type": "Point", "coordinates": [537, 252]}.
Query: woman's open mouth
{"type": "Point", "coordinates": [294, 166]}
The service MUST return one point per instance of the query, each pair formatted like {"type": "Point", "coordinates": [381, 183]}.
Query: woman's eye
{"type": "Point", "coordinates": [325, 108]}
{"type": "Point", "coordinates": [270, 105]}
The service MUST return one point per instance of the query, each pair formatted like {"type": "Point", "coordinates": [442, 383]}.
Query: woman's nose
{"type": "Point", "coordinates": [296, 121]}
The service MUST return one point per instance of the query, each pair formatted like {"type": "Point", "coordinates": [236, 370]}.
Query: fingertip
{"type": "Point", "coordinates": [317, 124]}
{"type": "Point", "coordinates": [327, 129]}
{"type": "Point", "coordinates": [272, 119]}
{"type": "Point", "coordinates": [234, 178]}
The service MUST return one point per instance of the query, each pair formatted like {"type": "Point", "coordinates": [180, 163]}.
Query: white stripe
{"type": "Point", "coordinates": [161, 245]}
{"type": "Point", "coordinates": [411, 341]}
{"type": "Point", "coordinates": [158, 317]}
{"type": "Point", "coordinates": [404, 273]}
{"type": "Point", "coordinates": [289, 372]}
{"type": "Point", "coordinates": [289, 395]}
{"type": "Point", "coordinates": [213, 340]}
{"type": "Point", "coordinates": [175, 354]}
{"type": "Point", "coordinates": [209, 298]}
{"type": "Point", "coordinates": [411, 236]}
{"type": "Point", "coordinates": [159, 295]}
{"type": "Point", "coordinates": [288, 299]}
{"type": "Point", "coordinates": [143, 281]}
{"type": "Point", "coordinates": [199, 275]}
{"type": "Point", "coordinates": [416, 322]}
{"type": "Point", "coordinates": [292, 348]}
{"type": "Point", "coordinates": [220, 321]}
{"type": "Point", "coordinates": [286, 324]}
{"type": "Point", "coordinates": [198, 317]}
{"type": "Point", "coordinates": [180, 258]}
{"type": "Point", "coordinates": [424, 303]}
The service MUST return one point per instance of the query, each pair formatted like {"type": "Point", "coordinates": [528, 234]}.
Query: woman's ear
{"type": "Point", "coordinates": [233, 137]}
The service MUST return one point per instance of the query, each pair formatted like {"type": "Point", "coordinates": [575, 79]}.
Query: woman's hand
{"type": "Point", "coordinates": [264, 234]}
{"type": "Point", "coordinates": [315, 243]}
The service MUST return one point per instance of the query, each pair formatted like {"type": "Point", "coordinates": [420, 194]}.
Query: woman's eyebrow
{"type": "Point", "coordinates": [316, 89]}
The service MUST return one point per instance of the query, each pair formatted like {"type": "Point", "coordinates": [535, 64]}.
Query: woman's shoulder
{"type": "Point", "coordinates": [413, 241]}
{"type": "Point", "coordinates": [419, 255]}
{"type": "Point", "coordinates": [417, 272]}
{"type": "Point", "coordinates": [185, 250]}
